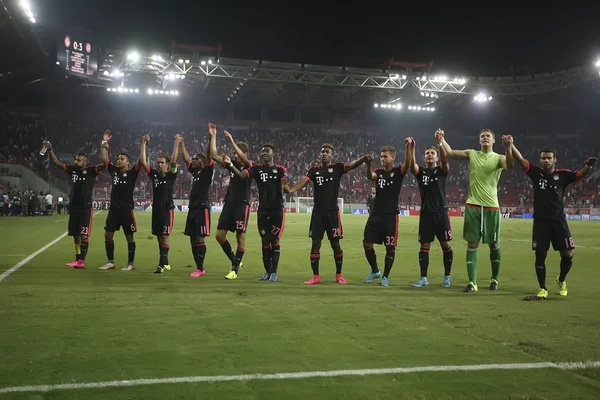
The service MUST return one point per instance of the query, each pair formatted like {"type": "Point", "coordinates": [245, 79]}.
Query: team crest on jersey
{"type": "Point", "coordinates": [534, 244]}
{"type": "Point", "coordinates": [85, 171]}
{"type": "Point", "coordinates": [274, 171]}
{"type": "Point", "coordinates": [330, 170]}
{"type": "Point", "coordinates": [555, 177]}
{"type": "Point", "coordinates": [392, 175]}
{"type": "Point", "coordinates": [125, 175]}
{"type": "Point", "coordinates": [262, 231]}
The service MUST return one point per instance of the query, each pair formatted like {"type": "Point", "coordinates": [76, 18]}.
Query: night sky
{"type": "Point", "coordinates": [465, 39]}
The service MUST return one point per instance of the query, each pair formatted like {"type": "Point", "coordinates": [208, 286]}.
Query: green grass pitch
{"type": "Point", "coordinates": [59, 325]}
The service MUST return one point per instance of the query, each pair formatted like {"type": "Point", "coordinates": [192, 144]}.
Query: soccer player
{"type": "Point", "coordinates": [549, 220]}
{"type": "Point", "coordinates": [197, 224]}
{"type": "Point", "coordinates": [271, 180]}
{"type": "Point", "coordinates": [433, 219]}
{"type": "Point", "coordinates": [236, 211]}
{"type": "Point", "coordinates": [326, 214]}
{"type": "Point", "coordinates": [80, 214]}
{"type": "Point", "coordinates": [482, 211]}
{"type": "Point", "coordinates": [371, 199]}
{"type": "Point", "coordinates": [382, 225]}
{"type": "Point", "coordinates": [163, 178]}
{"type": "Point", "coordinates": [120, 213]}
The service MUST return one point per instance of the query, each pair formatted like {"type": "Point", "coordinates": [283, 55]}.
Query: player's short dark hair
{"type": "Point", "coordinates": [488, 130]}
{"type": "Point", "coordinates": [126, 155]}
{"type": "Point", "coordinates": [328, 146]}
{"type": "Point", "coordinates": [433, 148]}
{"type": "Point", "coordinates": [270, 145]}
{"type": "Point", "coordinates": [200, 157]}
{"type": "Point", "coordinates": [243, 147]}
{"type": "Point", "coordinates": [548, 150]}
{"type": "Point", "coordinates": [166, 157]}
{"type": "Point", "coordinates": [389, 149]}
{"type": "Point", "coordinates": [81, 155]}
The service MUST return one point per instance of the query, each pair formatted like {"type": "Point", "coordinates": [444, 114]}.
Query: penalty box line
{"type": "Point", "coordinates": [301, 375]}
{"type": "Point", "coordinates": [30, 257]}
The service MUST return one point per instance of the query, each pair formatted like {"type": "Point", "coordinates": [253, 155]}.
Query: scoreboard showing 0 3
{"type": "Point", "coordinates": [77, 55]}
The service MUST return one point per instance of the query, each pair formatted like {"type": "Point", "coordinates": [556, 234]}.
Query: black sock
{"type": "Point", "coordinates": [540, 268]}
{"type": "Point", "coordinates": [239, 254]}
{"type": "Point", "coordinates": [110, 250]}
{"type": "Point", "coordinates": [199, 252]}
{"type": "Point", "coordinates": [448, 256]}
{"type": "Point", "coordinates": [339, 261]}
{"type": "Point", "coordinates": [275, 252]}
{"type": "Point", "coordinates": [372, 259]}
{"type": "Point", "coordinates": [228, 250]}
{"type": "Point", "coordinates": [565, 266]}
{"type": "Point", "coordinates": [164, 255]}
{"type": "Point", "coordinates": [266, 257]}
{"type": "Point", "coordinates": [423, 261]}
{"type": "Point", "coordinates": [314, 262]}
{"type": "Point", "coordinates": [130, 252]}
{"type": "Point", "coordinates": [84, 249]}
{"type": "Point", "coordinates": [389, 262]}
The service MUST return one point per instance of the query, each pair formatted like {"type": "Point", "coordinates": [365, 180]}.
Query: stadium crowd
{"type": "Point", "coordinates": [296, 149]}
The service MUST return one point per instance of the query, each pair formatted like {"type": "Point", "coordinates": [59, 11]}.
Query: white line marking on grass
{"type": "Point", "coordinates": [30, 257]}
{"type": "Point", "coordinates": [61, 220]}
{"type": "Point", "coordinates": [301, 375]}
{"type": "Point", "coordinates": [576, 245]}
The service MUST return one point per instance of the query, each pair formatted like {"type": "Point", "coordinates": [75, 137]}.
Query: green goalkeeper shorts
{"type": "Point", "coordinates": [481, 223]}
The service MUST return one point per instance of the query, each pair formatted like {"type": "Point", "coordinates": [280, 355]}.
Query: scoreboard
{"type": "Point", "coordinates": [77, 55]}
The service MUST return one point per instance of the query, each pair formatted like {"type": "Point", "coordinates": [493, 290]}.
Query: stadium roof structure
{"type": "Point", "coordinates": [302, 85]}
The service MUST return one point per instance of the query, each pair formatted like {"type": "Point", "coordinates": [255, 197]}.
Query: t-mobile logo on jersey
{"type": "Point", "coordinates": [426, 180]}
{"type": "Point", "coordinates": [320, 180]}
{"type": "Point", "coordinates": [264, 176]}
{"type": "Point", "coordinates": [381, 183]}
{"type": "Point", "coordinates": [543, 183]}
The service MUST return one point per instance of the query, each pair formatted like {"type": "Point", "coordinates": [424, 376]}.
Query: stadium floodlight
{"type": "Point", "coordinates": [376, 105]}
{"type": "Point", "coordinates": [133, 56]}
{"type": "Point", "coordinates": [421, 108]}
{"type": "Point", "coordinates": [157, 57]}
{"type": "Point", "coordinates": [433, 95]}
{"type": "Point", "coordinates": [598, 63]}
{"type": "Point", "coordinates": [482, 98]}
{"type": "Point", "coordinates": [121, 89]}
{"type": "Point", "coordinates": [27, 10]}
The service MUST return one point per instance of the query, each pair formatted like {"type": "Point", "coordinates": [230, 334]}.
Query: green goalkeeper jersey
{"type": "Point", "coordinates": [484, 174]}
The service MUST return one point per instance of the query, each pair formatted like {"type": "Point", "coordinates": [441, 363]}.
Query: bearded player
{"type": "Point", "coordinates": [434, 221]}
{"type": "Point", "coordinates": [236, 210]}
{"type": "Point", "coordinates": [382, 225]}
{"type": "Point", "coordinates": [82, 178]}
{"type": "Point", "coordinates": [482, 211]}
{"type": "Point", "coordinates": [120, 213]}
{"type": "Point", "coordinates": [163, 179]}
{"type": "Point", "coordinates": [326, 214]}
{"type": "Point", "coordinates": [549, 219]}
{"type": "Point", "coordinates": [271, 180]}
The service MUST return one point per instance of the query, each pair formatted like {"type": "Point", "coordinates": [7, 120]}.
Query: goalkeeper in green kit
{"type": "Point", "coordinates": [482, 211]}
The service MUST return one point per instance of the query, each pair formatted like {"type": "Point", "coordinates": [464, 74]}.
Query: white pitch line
{"type": "Point", "coordinates": [30, 257]}
{"type": "Point", "coordinates": [300, 375]}
{"type": "Point", "coordinates": [576, 245]}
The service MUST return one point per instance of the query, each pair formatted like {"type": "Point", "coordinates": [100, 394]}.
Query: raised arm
{"type": "Point", "coordinates": [177, 143]}
{"type": "Point", "coordinates": [212, 145]}
{"type": "Point", "coordinates": [372, 176]}
{"type": "Point", "coordinates": [444, 164]}
{"type": "Point", "coordinates": [185, 154]}
{"type": "Point", "coordinates": [414, 167]}
{"type": "Point", "coordinates": [104, 147]}
{"type": "Point", "coordinates": [237, 150]}
{"type": "Point", "coordinates": [507, 161]}
{"type": "Point", "coordinates": [354, 164]}
{"type": "Point", "coordinates": [53, 157]}
{"type": "Point", "coordinates": [143, 157]}
{"type": "Point", "coordinates": [408, 142]}
{"type": "Point", "coordinates": [516, 154]}
{"type": "Point", "coordinates": [587, 167]}
{"type": "Point", "coordinates": [229, 165]}
{"type": "Point", "coordinates": [452, 154]}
